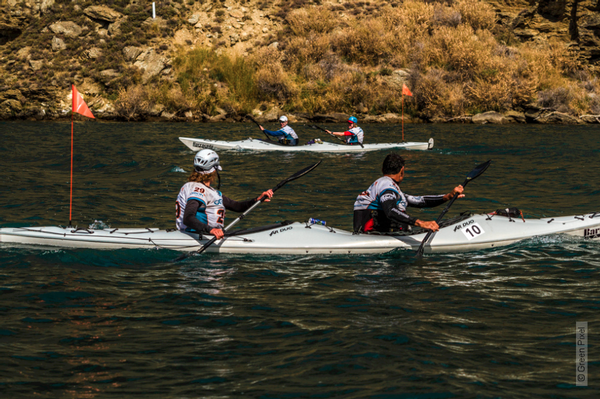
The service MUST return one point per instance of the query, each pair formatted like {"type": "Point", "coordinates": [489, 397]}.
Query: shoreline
{"type": "Point", "coordinates": [531, 116]}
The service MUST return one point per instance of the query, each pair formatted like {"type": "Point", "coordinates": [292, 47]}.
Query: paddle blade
{"type": "Point", "coordinates": [478, 171]}
{"type": "Point", "coordinates": [197, 252]}
{"type": "Point", "coordinates": [297, 175]}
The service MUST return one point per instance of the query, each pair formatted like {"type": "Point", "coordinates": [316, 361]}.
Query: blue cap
{"type": "Point", "coordinates": [353, 119]}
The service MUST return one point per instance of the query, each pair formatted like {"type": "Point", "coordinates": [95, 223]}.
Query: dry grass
{"type": "Point", "coordinates": [366, 42]}
{"type": "Point", "coordinates": [199, 69]}
{"type": "Point", "coordinates": [133, 103]}
{"type": "Point", "coordinates": [477, 14]}
{"type": "Point", "coordinates": [309, 21]}
{"type": "Point", "coordinates": [438, 98]}
{"type": "Point", "coordinates": [301, 51]}
{"type": "Point", "coordinates": [331, 58]}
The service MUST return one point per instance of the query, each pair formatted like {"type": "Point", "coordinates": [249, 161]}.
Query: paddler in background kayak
{"type": "Point", "coordinates": [354, 134]}
{"type": "Point", "coordinates": [200, 208]}
{"type": "Point", "coordinates": [383, 206]}
{"type": "Point", "coordinates": [286, 135]}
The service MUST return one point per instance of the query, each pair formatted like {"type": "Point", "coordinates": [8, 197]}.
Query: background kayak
{"type": "Point", "coordinates": [251, 144]}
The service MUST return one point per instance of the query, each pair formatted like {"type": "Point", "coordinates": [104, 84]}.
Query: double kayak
{"type": "Point", "coordinates": [315, 145]}
{"type": "Point", "coordinates": [467, 232]}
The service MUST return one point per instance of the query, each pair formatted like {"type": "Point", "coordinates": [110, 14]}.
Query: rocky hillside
{"type": "Point", "coordinates": [494, 61]}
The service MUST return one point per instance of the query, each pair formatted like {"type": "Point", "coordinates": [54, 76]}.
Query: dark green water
{"type": "Point", "coordinates": [501, 323]}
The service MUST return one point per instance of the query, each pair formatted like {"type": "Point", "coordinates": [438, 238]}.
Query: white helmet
{"type": "Point", "coordinates": [283, 118]}
{"type": "Point", "coordinates": [206, 161]}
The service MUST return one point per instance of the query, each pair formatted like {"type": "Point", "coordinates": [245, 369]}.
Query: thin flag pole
{"type": "Point", "coordinates": [406, 91]}
{"type": "Point", "coordinates": [403, 117]}
{"type": "Point", "coordinates": [71, 190]}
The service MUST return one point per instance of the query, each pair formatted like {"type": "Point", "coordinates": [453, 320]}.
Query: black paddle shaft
{"type": "Point", "coordinates": [295, 176]}
{"type": "Point", "coordinates": [478, 171]}
{"type": "Point", "coordinates": [258, 124]}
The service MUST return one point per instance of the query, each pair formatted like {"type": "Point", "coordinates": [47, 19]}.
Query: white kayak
{"type": "Point", "coordinates": [322, 146]}
{"type": "Point", "coordinates": [464, 233]}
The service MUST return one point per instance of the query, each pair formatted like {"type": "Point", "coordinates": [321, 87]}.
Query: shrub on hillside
{"type": "Point", "coordinates": [595, 105]}
{"type": "Point", "coordinates": [476, 13]}
{"type": "Point", "coordinates": [437, 98]}
{"type": "Point", "coordinates": [331, 65]}
{"type": "Point", "coordinates": [461, 50]}
{"type": "Point", "coordinates": [176, 101]}
{"type": "Point", "coordinates": [413, 21]}
{"type": "Point", "coordinates": [302, 51]}
{"type": "Point", "coordinates": [308, 21]}
{"type": "Point", "coordinates": [445, 16]}
{"type": "Point", "coordinates": [557, 99]}
{"type": "Point", "coordinates": [273, 82]}
{"type": "Point", "coordinates": [490, 93]}
{"type": "Point", "coordinates": [133, 103]}
{"type": "Point", "coordinates": [235, 72]}
{"type": "Point", "coordinates": [368, 42]}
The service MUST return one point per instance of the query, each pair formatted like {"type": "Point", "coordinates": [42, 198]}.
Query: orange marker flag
{"type": "Point", "coordinates": [79, 105]}
{"type": "Point", "coordinates": [405, 92]}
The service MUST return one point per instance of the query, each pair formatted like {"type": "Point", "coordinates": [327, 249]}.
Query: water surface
{"type": "Point", "coordinates": [497, 323]}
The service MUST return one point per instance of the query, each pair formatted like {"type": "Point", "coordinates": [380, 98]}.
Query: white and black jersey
{"type": "Point", "coordinates": [382, 207]}
{"type": "Point", "coordinates": [200, 208]}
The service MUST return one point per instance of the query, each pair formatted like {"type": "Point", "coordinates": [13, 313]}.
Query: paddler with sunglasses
{"type": "Point", "coordinates": [286, 135]}
{"type": "Point", "coordinates": [354, 134]}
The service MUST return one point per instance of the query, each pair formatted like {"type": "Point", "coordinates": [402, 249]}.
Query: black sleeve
{"type": "Point", "coordinates": [236, 206]}
{"type": "Point", "coordinates": [190, 219]}
{"type": "Point", "coordinates": [389, 203]}
{"type": "Point", "coordinates": [426, 201]}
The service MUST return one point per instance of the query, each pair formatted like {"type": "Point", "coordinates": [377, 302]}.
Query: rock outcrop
{"type": "Point", "coordinates": [151, 63]}
{"type": "Point", "coordinates": [66, 28]}
{"type": "Point", "coordinates": [572, 21]}
{"type": "Point", "coordinates": [102, 13]}
{"type": "Point", "coordinates": [489, 117]}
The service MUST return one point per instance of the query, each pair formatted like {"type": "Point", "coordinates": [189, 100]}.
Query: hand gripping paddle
{"type": "Point", "coordinates": [475, 173]}
{"type": "Point", "coordinates": [258, 124]}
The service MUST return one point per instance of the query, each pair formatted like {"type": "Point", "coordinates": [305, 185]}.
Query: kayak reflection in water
{"type": "Point", "coordinates": [383, 206]}
{"type": "Point", "coordinates": [354, 134]}
{"type": "Point", "coordinates": [286, 135]}
{"type": "Point", "coordinates": [200, 208]}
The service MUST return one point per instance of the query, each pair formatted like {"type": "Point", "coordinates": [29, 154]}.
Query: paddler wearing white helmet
{"type": "Point", "coordinates": [200, 208]}
{"type": "Point", "coordinates": [286, 135]}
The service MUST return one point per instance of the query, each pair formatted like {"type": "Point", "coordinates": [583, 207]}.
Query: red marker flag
{"type": "Point", "coordinates": [405, 90]}
{"type": "Point", "coordinates": [79, 105]}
